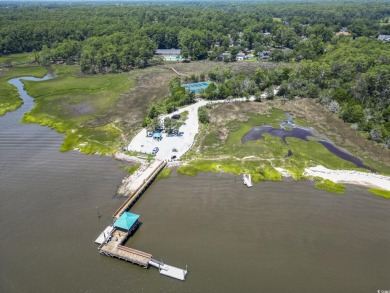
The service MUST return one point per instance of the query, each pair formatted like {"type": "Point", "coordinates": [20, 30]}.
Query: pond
{"type": "Point", "coordinates": [302, 133]}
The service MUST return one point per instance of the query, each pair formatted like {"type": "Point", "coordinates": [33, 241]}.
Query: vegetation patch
{"type": "Point", "coordinates": [9, 97]}
{"type": "Point", "coordinates": [130, 169]}
{"type": "Point", "coordinates": [380, 192]}
{"type": "Point", "coordinates": [259, 170]}
{"type": "Point", "coordinates": [77, 106]}
{"type": "Point", "coordinates": [331, 186]}
{"type": "Point", "coordinates": [15, 59]}
{"type": "Point", "coordinates": [164, 173]}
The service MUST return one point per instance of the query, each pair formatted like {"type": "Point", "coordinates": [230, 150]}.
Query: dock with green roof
{"type": "Point", "coordinates": [112, 240]}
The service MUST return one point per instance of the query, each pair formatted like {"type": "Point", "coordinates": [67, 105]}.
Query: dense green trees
{"type": "Point", "coordinates": [350, 75]}
{"type": "Point", "coordinates": [110, 37]}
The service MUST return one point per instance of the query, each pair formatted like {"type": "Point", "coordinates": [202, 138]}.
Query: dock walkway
{"type": "Point", "coordinates": [141, 183]}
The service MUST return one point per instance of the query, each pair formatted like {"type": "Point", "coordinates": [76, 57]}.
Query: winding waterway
{"type": "Point", "coordinates": [298, 132]}
{"type": "Point", "coordinates": [274, 237]}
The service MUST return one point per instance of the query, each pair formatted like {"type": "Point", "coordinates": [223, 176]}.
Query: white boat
{"type": "Point", "coordinates": [247, 180]}
{"type": "Point", "coordinates": [105, 235]}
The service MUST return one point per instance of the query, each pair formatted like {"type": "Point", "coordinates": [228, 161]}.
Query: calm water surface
{"type": "Point", "coordinates": [274, 237]}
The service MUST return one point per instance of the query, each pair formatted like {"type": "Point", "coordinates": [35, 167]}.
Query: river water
{"type": "Point", "coordinates": [274, 237]}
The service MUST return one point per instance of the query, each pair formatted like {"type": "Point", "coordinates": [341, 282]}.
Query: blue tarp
{"type": "Point", "coordinates": [126, 221]}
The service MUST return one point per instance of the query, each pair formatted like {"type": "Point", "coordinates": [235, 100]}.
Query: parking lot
{"type": "Point", "coordinates": [143, 143]}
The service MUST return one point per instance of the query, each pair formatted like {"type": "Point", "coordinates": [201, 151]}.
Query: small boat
{"type": "Point", "coordinates": [247, 180]}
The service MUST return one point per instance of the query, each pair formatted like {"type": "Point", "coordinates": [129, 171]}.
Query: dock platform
{"type": "Point", "coordinates": [168, 270]}
{"type": "Point", "coordinates": [115, 248]}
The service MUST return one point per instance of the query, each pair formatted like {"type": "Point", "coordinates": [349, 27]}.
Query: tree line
{"type": "Point", "coordinates": [108, 38]}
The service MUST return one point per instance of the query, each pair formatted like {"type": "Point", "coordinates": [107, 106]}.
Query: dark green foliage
{"type": "Point", "coordinates": [353, 114]}
{"type": "Point", "coordinates": [203, 115]}
{"type": "Point", "coordinates": [112, 38]}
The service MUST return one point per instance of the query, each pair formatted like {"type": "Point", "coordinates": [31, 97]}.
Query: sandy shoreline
{"type": "Point", "coordinates": [350, 176]}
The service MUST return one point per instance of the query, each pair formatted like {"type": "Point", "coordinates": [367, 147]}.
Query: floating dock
{"type": "Point", "coordinates": [113, 238]}
{"type": "Point", "coordinates": [168, 270]}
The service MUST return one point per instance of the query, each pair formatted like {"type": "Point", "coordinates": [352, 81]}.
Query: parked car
{"type": "Point", "coordinates": [155, 150]}
{"type": "Point", "coordinates": [175, 116]}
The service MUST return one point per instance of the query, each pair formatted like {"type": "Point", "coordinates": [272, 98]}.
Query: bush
{"type": "Point", "coordinates": [203, 115]}
{"type": "Point", "coordinates": [353, 114]}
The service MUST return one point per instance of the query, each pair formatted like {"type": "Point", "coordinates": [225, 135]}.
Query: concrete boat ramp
{"type": "Point", "coordinates": [112, 240]}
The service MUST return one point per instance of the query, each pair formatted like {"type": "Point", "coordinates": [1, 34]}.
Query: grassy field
{"type": "Point", "coordinates": [17, 58]}
{"type": "Point", "coordinates": [9, 97]}
{"type": "Point", "coordinates": [219, 147]}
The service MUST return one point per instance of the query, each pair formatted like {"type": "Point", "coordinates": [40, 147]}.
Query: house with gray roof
{"type": "Point", "coordinates": [384, 38]}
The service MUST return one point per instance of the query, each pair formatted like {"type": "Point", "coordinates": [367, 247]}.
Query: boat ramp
{"type": "Point", "coordinates": [112, 240]}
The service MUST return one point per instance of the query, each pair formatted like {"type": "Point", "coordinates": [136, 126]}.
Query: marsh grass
{"type": "Point", "coordinates": [380, 192]}
{"type": "Point", "coordinates": [130, 169]}
{"type": "Point", "coordinates": [72, 105]}
{"type": "Point", "coordinates": [331, 186]}
{"type": "Point", "coordinates": [165, 173]}
{"type": "Point", "coordinates": [259, 170]}
{"type": "Point", "coordinates": [17, 58]}
{"type": "Point", "coordinates": [9, 97]}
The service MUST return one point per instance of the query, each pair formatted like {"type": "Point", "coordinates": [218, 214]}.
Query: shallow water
{"type": "Point", "coordinates": [274, 237]}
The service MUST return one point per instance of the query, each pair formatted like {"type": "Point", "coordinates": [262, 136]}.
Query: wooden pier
{"type": "Point", "coordinates": [115, 236]}
{"type": "Point", "coordinates": [143, 182]}
{"type": "Point", "coordinates": [114, 248]}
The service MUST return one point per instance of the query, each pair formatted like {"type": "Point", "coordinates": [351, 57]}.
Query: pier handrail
{"type": "Point", "coordinates": [135, 251]}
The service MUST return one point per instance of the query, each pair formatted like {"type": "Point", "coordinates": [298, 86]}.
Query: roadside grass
{"type": "Point", "coordinates": [71, 104]}
{"type": "Point", "coordinates": [331, 186]}
{"type": "Point", "coordinates": [165, 173]}
{"type": "Point", "coordinates": [9, 97]}
{"type": "Point", "coordinates": [380, 192]}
